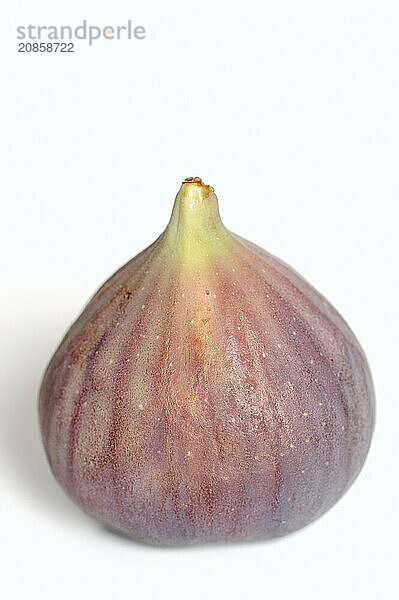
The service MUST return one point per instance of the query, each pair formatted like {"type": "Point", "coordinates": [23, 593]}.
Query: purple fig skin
{"type": "Point", "coordinates": [207, 392]}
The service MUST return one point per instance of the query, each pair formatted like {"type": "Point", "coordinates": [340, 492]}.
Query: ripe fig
{"type": "Point", "coordinates": [207, 392]}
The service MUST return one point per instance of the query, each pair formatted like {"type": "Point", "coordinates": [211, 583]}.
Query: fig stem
{"type": "Point", "coordinates": [195, 229]}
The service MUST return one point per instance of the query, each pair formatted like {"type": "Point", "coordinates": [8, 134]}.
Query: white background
{"type": "Point", "coordinates": [290, 110]}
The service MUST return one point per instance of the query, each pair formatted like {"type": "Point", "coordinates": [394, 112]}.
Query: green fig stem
{"type": "Point", "coordinates": [195, 228]}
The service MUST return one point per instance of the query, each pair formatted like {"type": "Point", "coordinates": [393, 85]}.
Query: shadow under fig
{"type": "Point", "coordinates": [27, 466]}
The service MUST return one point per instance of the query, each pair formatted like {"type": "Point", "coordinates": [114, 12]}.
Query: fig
{"type": "Point", "coordinates": [207, 392]}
